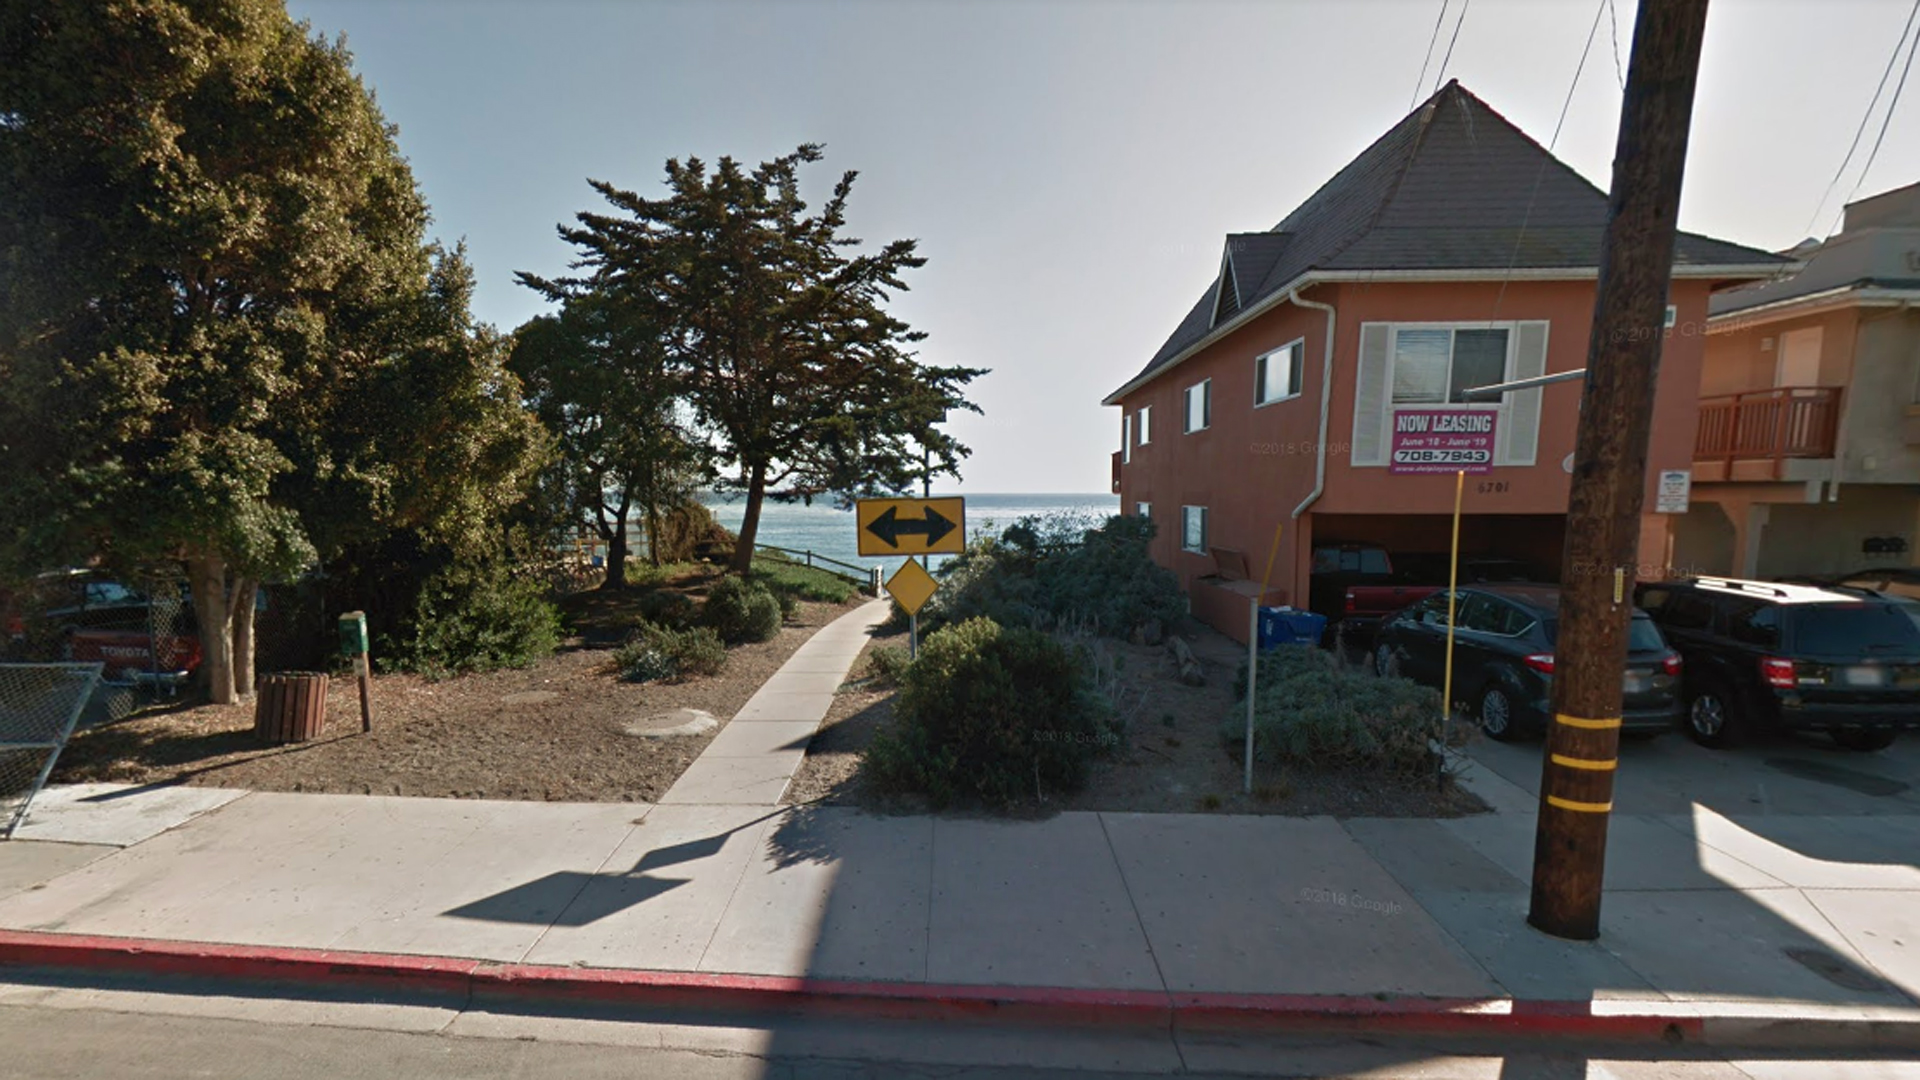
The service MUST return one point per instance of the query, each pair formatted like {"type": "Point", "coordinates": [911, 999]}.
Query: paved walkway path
{"type": "Point", "coordinates": [750, 762]}
{"type": "Point", "coordinates": [718, 878]}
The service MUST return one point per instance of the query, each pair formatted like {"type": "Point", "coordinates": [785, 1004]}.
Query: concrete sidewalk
{"type": "Point", "coordinates": [1808, 918]}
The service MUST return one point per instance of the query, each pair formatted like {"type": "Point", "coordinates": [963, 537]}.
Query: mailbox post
{"type": "Point", "coordinates": [353, 645]}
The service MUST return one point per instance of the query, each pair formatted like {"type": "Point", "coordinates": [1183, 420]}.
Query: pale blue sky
{"type": "Point", "coordinates": [1070, 167]}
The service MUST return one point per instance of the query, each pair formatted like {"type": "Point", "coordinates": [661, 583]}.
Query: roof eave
{"type": "Point", "coordinates": [1790, 306]}
{"type": "Point", "coordinates": [1722, 272]}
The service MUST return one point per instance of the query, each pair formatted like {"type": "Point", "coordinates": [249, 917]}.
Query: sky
{"type": "Point", "coordinates": [1071, 168]}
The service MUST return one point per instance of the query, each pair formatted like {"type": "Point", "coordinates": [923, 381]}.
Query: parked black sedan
{"type": "Point", "coordinates": [1503, 658]}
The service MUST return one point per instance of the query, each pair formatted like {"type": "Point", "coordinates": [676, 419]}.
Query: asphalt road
{"type": "Point", "coordinates": [1785, 775]}
{"type": "Point", "coordinates": [63, 1042]}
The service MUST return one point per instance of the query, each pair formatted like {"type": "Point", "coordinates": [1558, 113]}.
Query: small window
{"type": "Point", "coordinates": [1276, 375]}
{"type": "Point", "coordinates": [1199, 406]}
{"type": "Point", "coordinates": [1144, 510]}
{"type": "Point", "coordinates": [1193, 529]}
{"type": "Point", "coordinates": [1126, 439]}
{"type": "Point", "coordinates": [1435, 367]}
{"type": "Point", "coordinates": [1141, 426]}
{"type": "Point", "coordinates": [1758, 624]}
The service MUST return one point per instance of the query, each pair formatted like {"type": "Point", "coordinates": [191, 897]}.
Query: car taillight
{"type": "Point", "coordinates": [1541, 662]}
{"type": "Point", "coordinates": [1779, 673]}
{"type": "Point", "coordinates": [1351, 606]}
{"type": "Point", "coordinates": [1670, 663]}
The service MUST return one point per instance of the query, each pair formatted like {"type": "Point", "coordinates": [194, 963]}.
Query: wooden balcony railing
{"type": "Point", "coordinates": [1768, 426]}
{"type": "Point", "coordinates": [1116, 472]}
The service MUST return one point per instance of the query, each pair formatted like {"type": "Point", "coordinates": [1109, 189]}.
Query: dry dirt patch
{"type": "Point", "coordinates": [554, 731]}
{"type": "Point", "coordinates": [1173, 761]}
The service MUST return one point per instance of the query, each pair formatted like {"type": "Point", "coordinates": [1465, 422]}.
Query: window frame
{"type": "Point", "coordinates": [1204, 538]}
{"type": "Point", "coordinates": [1510, 327]}
{"type": "Point", "coordinates": [1205, 386]}
{"type": "Point", "coordinates": [1297, 369]}
{"type": "Point", "coordinates": [1143, 509]}
{"type": "Point", "coordinates": [1142, 416]}
{"type": "Point", "coordinates": [1126, 438]}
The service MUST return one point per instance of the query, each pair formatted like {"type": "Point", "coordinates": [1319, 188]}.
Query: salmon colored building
{"type": "Point", "coordinates": [1454, 252]}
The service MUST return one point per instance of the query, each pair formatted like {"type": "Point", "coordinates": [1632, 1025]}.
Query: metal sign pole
{"type": "Point", "coordinates": [1453, 600]}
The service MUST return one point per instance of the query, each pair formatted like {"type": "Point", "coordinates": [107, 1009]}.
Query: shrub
{"type": "Point", "coordinates": [742, 610]}
{"type": "Point", "coordinates": [475, 618]}
{"type": "Point", "coordinates": [989, 714]}
{"type": "Point", "coordinates": [655, 652]}
{"type": "Point", "coordinates": [674, 610]}
{"type": "Point", "coordinates": [887, 664]}
{"type": "Point", "coordinates": [689, 532]}
{"type": "Point", "coordinates": [1311, 709]}
{"type": "Point", "coordinates": [1040, 573]}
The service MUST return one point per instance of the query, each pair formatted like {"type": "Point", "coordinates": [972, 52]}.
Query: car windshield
{"type": "Point", "coordinates": [1857, 628]}
{"type": "Point", "coordinates": [1642, 635]}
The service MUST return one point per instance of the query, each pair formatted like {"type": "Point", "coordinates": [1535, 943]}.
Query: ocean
{"type": "Point", "coordinates": [825, 531]}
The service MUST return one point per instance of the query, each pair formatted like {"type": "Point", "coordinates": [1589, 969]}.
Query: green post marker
{"type": "Point", "coordinates": [353, 645]}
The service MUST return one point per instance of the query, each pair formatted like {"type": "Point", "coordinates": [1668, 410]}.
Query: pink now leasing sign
{"type": "Point", "coordinates": [1442, 439]}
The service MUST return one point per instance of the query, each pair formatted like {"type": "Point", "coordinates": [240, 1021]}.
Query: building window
{"type": "Point", "coordinates": [1144, 510]}
{"type": "Point", "coordinates": [1199, 406]}
{"type": "Point", "coordinates": [1126, 439]}
{"type": "Point", "coordinates": [1277, 375]}
{"type": "Point", "coordinates": [1140, 426]}
{"type": "Point", "coordinates": [1434, 366]}
{"type": "Point", "coordinates": [1193, 529]}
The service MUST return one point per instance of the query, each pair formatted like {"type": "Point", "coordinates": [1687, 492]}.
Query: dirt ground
{"type": "Point", "coordinates": [1174, 760]}
{"type": "Point", "coordinates": [549, 732]}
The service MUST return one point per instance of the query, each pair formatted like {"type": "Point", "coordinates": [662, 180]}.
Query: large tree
{"type": "Point", "coordinates": [775, 331]}
{"type": "Point", "coordinates": [224, 341]}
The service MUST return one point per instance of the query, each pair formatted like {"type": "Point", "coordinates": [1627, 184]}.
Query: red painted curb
{"type": "Point", "coordinates": [675, 989]}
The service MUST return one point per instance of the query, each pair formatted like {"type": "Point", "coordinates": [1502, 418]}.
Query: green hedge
{"type": "Point", "coordinates": [475, 618]}
{"type": "Point", "coordinates": [663, 653]}
{"type": "Point", "coordinates": [742, 610]}
{"type": "Point", "coordinates": [1313, 710]}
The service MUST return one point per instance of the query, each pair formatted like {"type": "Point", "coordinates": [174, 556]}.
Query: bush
{"type": "Point", "coordinates": [1313, 710]}
{"type": "Point", "coordinates": [689, 532]}
{"type": "Point", "coordinates": [742, 610]}
{"type": "Point", "coordinates": [673, 610]}
{"type": "Point", "coordinates": [656, 652]}
{"type": "Point", "coordinates": [1046, 574]}
{"type": "Point", "coordinates": [989, 714]}
{"type": "Point", "coordinates": [475, 618]}
{"type": "Point", "coordinates": [887, 664]}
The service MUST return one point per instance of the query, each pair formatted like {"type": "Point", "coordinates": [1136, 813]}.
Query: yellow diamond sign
{"type": "Point", "coordinates": [912, 586]}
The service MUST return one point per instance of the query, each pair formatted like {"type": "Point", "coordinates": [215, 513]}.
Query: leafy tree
{"type": "Point", "coordinates": [223, 340]}
{"type": "Point", "coordinates": [600, 384]}
{"type": "Point", "coordinates": [778, 337]}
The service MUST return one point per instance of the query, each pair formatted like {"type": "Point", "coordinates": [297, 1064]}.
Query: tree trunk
{"type": "Point", "coordinates": [653, 531]}
{"type": "Point", "coordinates": [241, 603]}
{"type": "Point", "coordinates": [750, 521]}
{"type": "Point", "coordinates": [208, 577]}
{"type": "Point", "coordinates": [616, 538]}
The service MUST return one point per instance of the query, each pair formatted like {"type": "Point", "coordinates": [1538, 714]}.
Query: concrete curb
{"type": "Point", "coordinates": [1706, 1023]}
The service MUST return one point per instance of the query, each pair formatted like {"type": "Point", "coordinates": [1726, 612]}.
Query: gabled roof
{"type": "Point", "coordinates": [1452, 187]}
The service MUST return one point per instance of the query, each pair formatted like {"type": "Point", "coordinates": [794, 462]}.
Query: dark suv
{"type": "Point", "coordinates": [1763, 654]}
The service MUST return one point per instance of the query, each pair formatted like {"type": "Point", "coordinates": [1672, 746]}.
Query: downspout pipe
{"type": "Point", "coordinates": [1326, 404]}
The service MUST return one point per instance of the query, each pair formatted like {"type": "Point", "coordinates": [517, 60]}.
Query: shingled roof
{"type": "Point", "coordinates": [1454, 186]}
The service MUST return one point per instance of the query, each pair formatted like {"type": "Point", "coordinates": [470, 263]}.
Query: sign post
{"type": "Point", "coordinates": [353, 644]}
{"type": "Point", "coordinates": [911, 587]}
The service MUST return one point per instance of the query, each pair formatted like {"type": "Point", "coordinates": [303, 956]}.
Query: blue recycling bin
{"type": "Point", "coordinates": [1290, 626]}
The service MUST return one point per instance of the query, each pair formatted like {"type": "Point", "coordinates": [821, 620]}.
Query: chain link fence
{"type": "Point", "coordinates": [39, 706]}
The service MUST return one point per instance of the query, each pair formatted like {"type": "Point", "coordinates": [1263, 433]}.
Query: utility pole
{"type": "Point", "coordinates": [1610, 468]}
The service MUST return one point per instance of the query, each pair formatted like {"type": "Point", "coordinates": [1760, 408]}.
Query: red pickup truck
{"type": "Point", "coordinates": [86, 617]}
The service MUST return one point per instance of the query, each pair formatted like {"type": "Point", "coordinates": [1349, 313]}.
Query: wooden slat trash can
{"type": "Point", "coordinates": [290, 706]}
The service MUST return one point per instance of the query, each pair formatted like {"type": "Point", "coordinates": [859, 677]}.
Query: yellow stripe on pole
{"type": "Point", "coordinates": [1585, 763]}
{"type": "Point", "coordinates": [1453, 591]}
{"type": "Point", "coordinates": [1579, 807]}
{"type": "Point", "coordinates": [1585, 724]}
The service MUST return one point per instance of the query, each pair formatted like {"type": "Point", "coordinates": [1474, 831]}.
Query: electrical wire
{"type": "Point", "coordinates": [1442, 73]}
{"type": "Point", "coordinates": [1867, 116]}
{"type": "Point", "coordinates": [1431, 40]}
{"type": "Point", "coordinates": [1893, 104]}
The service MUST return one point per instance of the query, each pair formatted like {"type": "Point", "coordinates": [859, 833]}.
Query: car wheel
{"type": "Point", "coordinates": [1865, 740]}
{"type": "Point", "coordinates": [1386, 663]}
{"type": "Point", "coordinates": [1710, 717]}
{"type": "Point", "coordinates": [1496, 713]}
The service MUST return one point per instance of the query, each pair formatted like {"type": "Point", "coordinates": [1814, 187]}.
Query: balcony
{"type": "Point", "coordinates": [1754, 436]}
{"type": "Point", "coordinates": [1117, 462]}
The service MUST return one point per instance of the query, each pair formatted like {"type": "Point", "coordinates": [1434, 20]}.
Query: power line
{"type": "Point", "coordinates": [1865, 117]}
{"type": "Point", "coordinates": [1442, 73]}
{"type": "Point", "coordinates": [1619, 71]}
{"type": "Point", "coordinates": [1892, 105]}
{"type": "Point", "coordinates": [1435, 37]}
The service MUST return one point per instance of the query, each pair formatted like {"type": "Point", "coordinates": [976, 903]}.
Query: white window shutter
{"type": "Point", "coordinates": [1522, 419]}
{"type": "Point", "coordinates": [1370, 396]}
